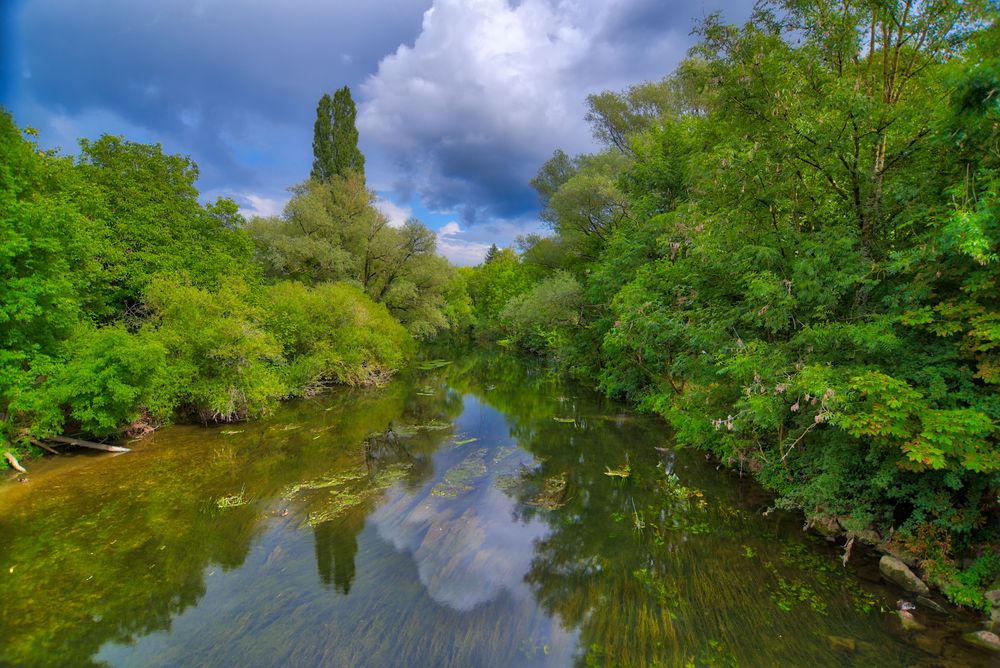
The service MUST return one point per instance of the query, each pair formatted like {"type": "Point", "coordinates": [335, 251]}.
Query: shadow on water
{"type": "Point", "coordinates": [480, 512]}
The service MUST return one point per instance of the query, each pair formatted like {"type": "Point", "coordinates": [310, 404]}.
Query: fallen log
{"type": "Point", "coordinates": [14, 463]}
{"type": "Point", "coordinates": [87, 444]}
{"type": "Point", "coordinates": [45, 447]}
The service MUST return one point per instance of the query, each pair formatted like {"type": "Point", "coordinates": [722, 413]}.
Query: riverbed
{"type": "Point", "coordinates": [477, 511]}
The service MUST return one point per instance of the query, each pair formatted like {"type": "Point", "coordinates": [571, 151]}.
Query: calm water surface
{"type": "Point", "coordinates": [482, 513]}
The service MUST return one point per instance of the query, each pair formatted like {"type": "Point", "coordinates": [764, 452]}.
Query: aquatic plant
{"type": "Point", "coordinates": [233, 500]}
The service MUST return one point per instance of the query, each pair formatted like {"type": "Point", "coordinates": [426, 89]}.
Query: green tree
{"type": "Point", "coordinates": [47, 266]}
{"type": "Point", "coordinates": [331, 231]}
{"type": "Point", "coordinates": [789, 250]}
{"type": "Point", "coordinates": [148, 205]}
{"type": "Point", "coordinates": [335, 138]}
{"type": "Point", "coordinates": [333, 333]}
{"type": "Point", "coordinates": [494, 284]}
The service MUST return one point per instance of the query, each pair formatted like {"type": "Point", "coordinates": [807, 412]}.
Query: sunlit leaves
{"type": "Point", "coordinates": [891, 411]}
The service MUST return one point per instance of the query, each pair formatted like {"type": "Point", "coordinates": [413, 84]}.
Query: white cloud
{"type": "Point", "coordinates": [252, 204]}
{"type": "Point", "coordinates": [459, 250]}
{"type": "Point", "coordinates": [450, 228]}
{"type": "Point", "coordinates": [490, 88]}
{"type": "Point", "coordinates": [397, 215]}
{"type": "Point", "coordinates": [468, 246]}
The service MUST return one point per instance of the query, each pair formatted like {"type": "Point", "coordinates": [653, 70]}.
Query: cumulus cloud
{"type": "Point", "coordinates": [491, 87]}
{"type": "Point", "coordinates": [252, 204]}
{"type": "Point", "coordinates": [457, 248]}
{"type": "Point", "coordinates": [467, 246]}
{"type": "Point", "coordinates": [460, 100]}
{"type": "Point", "coordinates": [397, 215]}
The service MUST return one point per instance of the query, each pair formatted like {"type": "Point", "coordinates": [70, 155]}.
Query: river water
{"type": "Point", "coordinates": [480, 512]}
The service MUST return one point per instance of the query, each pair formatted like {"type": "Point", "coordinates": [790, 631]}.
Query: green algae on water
{"type": "Point", "coordinates": [459, 478]}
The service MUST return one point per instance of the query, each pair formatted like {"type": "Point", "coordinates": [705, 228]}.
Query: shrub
{"type": "Point", "coordinates": [333, 332]}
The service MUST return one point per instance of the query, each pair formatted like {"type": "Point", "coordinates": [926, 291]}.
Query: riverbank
{"type": "Point", "coordinates": [480, 495]}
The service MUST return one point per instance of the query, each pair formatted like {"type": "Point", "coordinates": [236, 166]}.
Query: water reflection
{"type": "Point", "coordinates": [458, 528]}
{"type": "Point", "coordinates": [481, 513]}
{"type": "Point", "coordinates": [336, 548]}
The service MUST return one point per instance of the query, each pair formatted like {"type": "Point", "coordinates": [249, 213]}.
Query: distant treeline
{"type": "Point", "coordinates": [788, 248]}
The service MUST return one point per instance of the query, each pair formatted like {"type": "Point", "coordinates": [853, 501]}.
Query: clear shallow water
{"type": "Point", "coordinates": [462, 516]}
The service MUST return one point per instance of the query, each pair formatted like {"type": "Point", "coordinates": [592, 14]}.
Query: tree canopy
{"type": "Point", "coordinates": [335, 138]}
{"type": "Point", "coordinates": [788, 249]}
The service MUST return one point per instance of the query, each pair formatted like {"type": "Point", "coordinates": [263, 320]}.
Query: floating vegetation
{"type": "Point", "coordinates": [503, 453]}
{"type": "Point", "coordinates": [623, 472]}
{"type": "Point", "coordinates": [350, 496]}
{"type": "Point", "coordinates": [323, 483]}
{"type": "Point", "coordinates": [230, 432]}
{"type": "Point", "coordinates": [508, 482]}
{"type": "Point", "coordinates": [426, 391]}
{"type": "Point", "coordinates": [459, 478]}
{"type": "Point", "coordinates": [233, 500]}
{"type": "Point", "coordinates": [671, 487]}
{"type": "Point", "coordinates": [565, 420]}
{"type": "Point", "coordinates": [430, 365]}
{"type": "Point", "coordinates": [287, 427]}
{"type": "Point", "coordinates": [553, 493]}
{"type": "Point", "coordinates": [792, 592]}
{"type": "Point", "coordinates": [433, 425]}
{"type": "Point", "coordinates": [466, 441]}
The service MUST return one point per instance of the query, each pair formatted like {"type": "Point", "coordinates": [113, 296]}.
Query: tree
{"type": "Point", "coordinates": [331, 231]}
{"type": "Point", "coordinates": [789, 249]}
{"type": "Point", "coordinates": [335, 138]}
{"type": "Point", "coordinates": [147, 203]}
{"type": "Point", "coordinates": [615, 117]}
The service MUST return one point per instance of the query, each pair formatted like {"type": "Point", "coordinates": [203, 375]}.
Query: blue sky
{"type": "Point", "coordinates": [459, 101]}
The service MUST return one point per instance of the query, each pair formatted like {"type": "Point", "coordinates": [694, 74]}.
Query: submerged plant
{"type": "Point", "coordinates": [233, 500]}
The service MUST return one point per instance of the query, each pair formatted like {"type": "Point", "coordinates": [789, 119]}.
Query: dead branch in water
{"type": "Point", "coordinates": [14, 463]}
{"type": "Point", "coordinates": [45, 447]}
{"type": "Point", "coordinates": [88, 444]}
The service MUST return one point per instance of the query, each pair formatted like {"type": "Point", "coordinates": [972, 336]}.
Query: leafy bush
{"type": "Point", "coordinates": [222, 365]}
{"type": "Point", "coordinates": [545, 317]}
{"type": "Point", "coordinates": [333, 332]}
{"type": "Point", "coordinates": [107, 381]}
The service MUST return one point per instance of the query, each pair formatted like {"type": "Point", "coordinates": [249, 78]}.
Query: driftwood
{"type": "Point", "coordinates": [88, 444]}
{"type": "Point", "coordinates": [45, 447]}
{"type": "Point", "coordinates": [847, 550]}
{"type": "Point", "coordinates": [14, 463]}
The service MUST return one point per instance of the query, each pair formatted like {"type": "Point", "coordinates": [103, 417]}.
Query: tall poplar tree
{"type": "Point", "coordinates": [335, 138]}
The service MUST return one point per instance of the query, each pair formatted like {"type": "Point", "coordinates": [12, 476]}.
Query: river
{"type": "Point", "coordinates": [479, 512]}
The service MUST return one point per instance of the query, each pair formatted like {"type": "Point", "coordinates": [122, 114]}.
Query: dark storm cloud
{"type": "Point", "coordinates": [233, 83]}
{"type": "Point", "coordinates": [458, 106]}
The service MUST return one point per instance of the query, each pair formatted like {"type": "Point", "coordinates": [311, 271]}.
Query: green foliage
{"type": "Point", "coordinates": [789, 250]}
{"type": "Point", "coordinates": [331, 231]}
{"type": "Point", "coordinates": [335, 138]}
{"type": "Point", "coordinates": [108, 380]}
{"type": "Point", "coordinates": [966, 587]}
{"type": "Point", "coordinates": [222, 361]}
{"type": "Point", "coordinates": [152, 220]}
{"type": "Point", "coordinates": [458, 309]}
{"type": "Point", "coordinates": [333, 333]}
{"type": "Point", "coordinates": [495, 283]}
{"type": "Point", "coordinates": [46, 259]}
{"type": "Point", "coordinates": [545, 318]}
{"type": "Point", "coordinates": [891, 411]}
{"type": "Point", "coordinates": [125, 302]}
